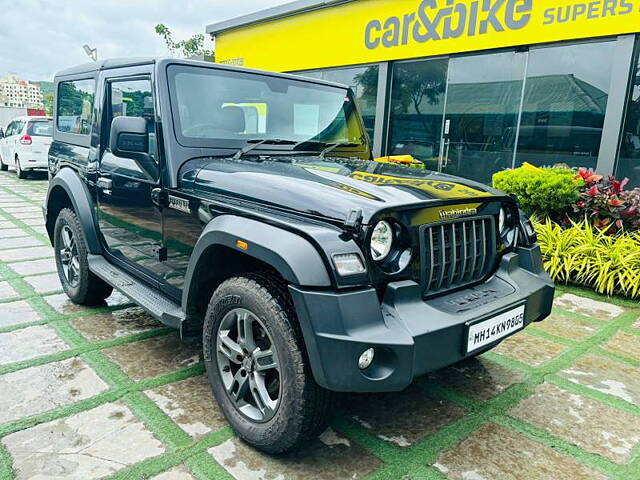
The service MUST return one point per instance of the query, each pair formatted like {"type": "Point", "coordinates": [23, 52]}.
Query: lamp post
{"type": "Point", "coordinates": [91, 52]}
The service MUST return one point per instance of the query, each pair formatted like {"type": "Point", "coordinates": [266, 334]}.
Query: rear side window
{"type": "Point", "coordinates": [75, 106]}
{"type": "Point", "coordinates": [40, 128]}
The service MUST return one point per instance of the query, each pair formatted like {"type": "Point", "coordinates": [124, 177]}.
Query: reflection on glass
{"type": "Point", "coordinates": [417, 105]}
{"type": "Point", "coordinates": [75, 105]}
{"type": "Point", "coordinates": [483, 101]}
{"type": "Point", "coordinates": [629, 157]}
{"type": "Point", "coordinates": [565, 102]}
{"type": "Point", "coordinates": [364, 83]}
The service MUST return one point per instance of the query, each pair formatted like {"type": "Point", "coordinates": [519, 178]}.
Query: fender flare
{"type": "Point", "coordinates": [292, 256]}
{"type": "Point", "coordinates": [69, 180]}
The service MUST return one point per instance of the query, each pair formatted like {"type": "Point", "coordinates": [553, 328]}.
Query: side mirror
{"type": "Point", "coordinates": [129, 139]}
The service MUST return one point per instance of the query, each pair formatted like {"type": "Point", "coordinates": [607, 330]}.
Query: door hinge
{"type": "Point", "coordinates": [160, 253]}
{"type": "Point", "coordinates": [160, 197]}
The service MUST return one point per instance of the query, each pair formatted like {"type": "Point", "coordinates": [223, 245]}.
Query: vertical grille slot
{"type": "Point", "coordinates": [457, 253]}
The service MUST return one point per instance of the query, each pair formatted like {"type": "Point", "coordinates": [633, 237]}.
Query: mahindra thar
{"type": "Point", "coordinates": [244, 207]}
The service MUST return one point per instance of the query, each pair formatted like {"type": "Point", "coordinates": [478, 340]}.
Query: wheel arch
{"type": "Point", "coordinates": [217, 257]}
{"type": "Point", "coordinates": [67, 190]}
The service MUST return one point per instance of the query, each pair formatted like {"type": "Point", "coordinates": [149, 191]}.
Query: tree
{"type": "Point", "coordinates": [189, 48]}
{"type": "Point", "coordinates": [48, 103]}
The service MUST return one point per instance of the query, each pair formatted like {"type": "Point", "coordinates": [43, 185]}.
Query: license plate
{"type": "Point", "coordinates": [489, 331]}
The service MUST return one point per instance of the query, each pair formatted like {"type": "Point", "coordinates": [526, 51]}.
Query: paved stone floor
{"type": "Point", "coordinates": [108, 392]}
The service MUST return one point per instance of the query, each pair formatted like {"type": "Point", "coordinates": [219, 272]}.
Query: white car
{"type": "Point", "coordinates": [26, 144]}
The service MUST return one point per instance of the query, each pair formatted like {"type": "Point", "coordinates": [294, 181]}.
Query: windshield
{"type": "Point", "coordinates": [218, 108]}
{"type": "Point", "coordinates": [40, 128]}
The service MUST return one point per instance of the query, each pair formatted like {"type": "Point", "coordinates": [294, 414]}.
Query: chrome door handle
{"type": "Point", "coordinates": [105, 183]}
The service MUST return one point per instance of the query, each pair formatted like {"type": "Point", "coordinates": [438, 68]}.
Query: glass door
{"type": "Point", "coordinates": [483, 98]}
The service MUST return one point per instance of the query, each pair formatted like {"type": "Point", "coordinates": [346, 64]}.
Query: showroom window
{"type": "Point", "coordinates": [364, 83]}
{"type": "Point", "coordinates": [565, 101]}
{"type": "Point", "coordinates": [629, 156]}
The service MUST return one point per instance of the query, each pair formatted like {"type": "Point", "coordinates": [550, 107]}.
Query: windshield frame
{"type": "Point", "coordinates": [173, 69]}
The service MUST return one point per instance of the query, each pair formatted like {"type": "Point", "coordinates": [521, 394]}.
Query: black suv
{"type": "Point", "coordinates": [243, 206]}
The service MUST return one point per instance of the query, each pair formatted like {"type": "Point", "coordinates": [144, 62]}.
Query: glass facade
{"type": "Point", "coordinates": [565, 103]}
{"type": "Point", "coordinates": [629, 156]}
{"type": "Point", "coordinates": [364, 83]}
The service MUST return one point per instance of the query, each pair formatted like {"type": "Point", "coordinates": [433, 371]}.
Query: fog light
{"type": "Point", "coordinates": [366, 359]}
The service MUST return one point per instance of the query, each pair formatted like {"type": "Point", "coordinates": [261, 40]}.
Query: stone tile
{"type": "Point", "coordinates": [23, 208]}
{"type": "Point", "coordinates": [19, 242]}
{"type": "Point", "coordinates": [61, 303]}
{"type": "Point", "coordinates": [533, 351]}
{"type": "Point", "coordinates": [116, 324]}
{"type": "Point", "coordinates": [15, 313]}
{"type": "Point", "coordinates": [28, 214]}
{"type": "Point", "coordinates": [63, 382]}
{"type": "Point", "coordinates": [45, 283]}
{"type": "Point", "coordinates": [7, 224]}
{"type": "Point", "coordinates": [566, 326]}
{"type": "Point", "coordinates": [328, 458]}
{"type": "Point", "coordinates": [586, 306]}
{"type": "Point", "coordinates": [34, 267]}
{"type": "Point", "coordinates": [592, 425]}
{"type": "Point", "coordinates": [25, 253]}
{"type": "Point", "coordinates": [636, 324]}
{"type": "Point", "coordinates": [88, 445]}
{"type": "Point", "coordinates": [177, 473]}
{"type": "Point", "coordinates": [32, 222]}
{"type": "Point", "coordinates": [155, 356]}
{"type": "Point", "coordinates": [405, 417]}
{"type": "Point", "coordinates": [624, 343]}
{"type": "Point", "coordinates": [40, 229]}
{"type": "Point", "coordinates": [496, 453]}
{"type": "Point", "coordinates": [607, 376]}
{"type": "Point", "coordinates": [479, 378]}
{"type": "Point", "coordinates": [11, 233]}
{"type": "Point", "coordinates": [190, 404]}
{"type": "Point", "coordinates": [30, 342]}
{"type": "Point", "coordinates": [7, 291]}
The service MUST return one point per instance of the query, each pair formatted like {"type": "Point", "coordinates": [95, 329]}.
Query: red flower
{"type": "Point", "coordinates": [615, 202]}
{"type": "Point", "coordinates": [619, 186]}
{"type": "Point", "coordinates": [593, 191]}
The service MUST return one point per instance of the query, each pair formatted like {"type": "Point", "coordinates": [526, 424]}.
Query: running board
{"type": "Point", "coordinates": [148, 298]}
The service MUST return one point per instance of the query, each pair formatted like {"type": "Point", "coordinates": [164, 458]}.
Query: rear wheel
{"type": "Point", "coordinates": [80, 285]}
{"type": "Point", "coordinates": [20, 173]}
{"type": "Point", "coordinates": [257, 366]}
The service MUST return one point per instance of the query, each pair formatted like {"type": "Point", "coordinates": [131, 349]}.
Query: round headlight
{"type": "Point", "coordinates": [381, 241]}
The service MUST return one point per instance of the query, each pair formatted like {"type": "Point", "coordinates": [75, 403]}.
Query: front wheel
{"type": "Point", "coordinates": [78, 282]}
{"type": "Point", "coordinates": [257, 366]}
{"type": "Point", "coordinates": [20, 173]}
{"type": "Point", "coordinates": [3, 167]}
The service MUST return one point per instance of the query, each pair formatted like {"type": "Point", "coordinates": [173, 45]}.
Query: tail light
{"type": "Point", "coordinates": [25, 140]}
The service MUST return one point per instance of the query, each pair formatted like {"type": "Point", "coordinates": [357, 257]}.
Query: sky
{"type": "Point", "coordinates": [40, 37]}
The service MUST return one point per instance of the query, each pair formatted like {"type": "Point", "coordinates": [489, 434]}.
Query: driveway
{"type": "Point", "coordinates": [109, 392]}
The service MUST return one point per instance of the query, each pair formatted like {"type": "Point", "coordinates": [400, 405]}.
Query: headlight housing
{"type": "Point", "coordinates": [381, 241]}
{"type": "Point", "coordinates": [507, 225]}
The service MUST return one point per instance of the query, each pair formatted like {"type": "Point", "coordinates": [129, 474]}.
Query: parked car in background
{"type": "Point", "coordinates": [25, 144]}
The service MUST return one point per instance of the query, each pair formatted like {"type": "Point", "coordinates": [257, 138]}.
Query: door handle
{"type": "Point", "coordinates": [105, 184]}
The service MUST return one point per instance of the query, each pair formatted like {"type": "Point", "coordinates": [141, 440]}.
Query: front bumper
{"type": "Point", "coordinates": [411, 336]}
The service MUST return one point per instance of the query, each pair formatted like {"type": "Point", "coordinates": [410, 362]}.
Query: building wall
{"type": "Point", "coordinates": [17, 93]}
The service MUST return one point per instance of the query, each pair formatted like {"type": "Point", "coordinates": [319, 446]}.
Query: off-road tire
{"type": "Point", "coordinates": [304, 407]}
{"type": "Point", "coordinates": [90, 290]}
{"type": "Point", "coordinates": [20, 173]}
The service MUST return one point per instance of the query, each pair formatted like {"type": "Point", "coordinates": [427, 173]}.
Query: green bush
{"type": "Point", "coordinates": [544, 192]}
{"type": "Point", "coordinates": [585, 255]}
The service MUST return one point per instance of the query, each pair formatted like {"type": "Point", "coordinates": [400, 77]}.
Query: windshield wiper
{"type": "Point", "coordinates": [332, 146]}
{"type": "Point", "coordinates": [251, 144]}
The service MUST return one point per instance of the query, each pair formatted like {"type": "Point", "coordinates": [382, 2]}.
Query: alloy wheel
{"type": "Point", "coordinates": [69, 257]}
{"type": "Point", "coordinates": [248, 365]}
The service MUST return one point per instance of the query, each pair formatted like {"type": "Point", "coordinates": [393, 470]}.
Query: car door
{"type": "Point", "coordinates": [129, 221]}
{"type": "Point", "coordinates": [13, 141]}
{"type": "Point", "coordinates": [4, 142]}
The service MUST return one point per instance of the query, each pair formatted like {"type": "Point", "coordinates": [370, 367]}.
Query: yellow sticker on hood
{"type": "Point", "coordinates": [437, 188]}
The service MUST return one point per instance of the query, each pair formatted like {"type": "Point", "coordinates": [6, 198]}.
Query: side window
{"type": "Point", "coordinates": [75, 106]}
{"type": "Point", "coordinates": [133, 98]}
{"type": "Point", "coordinates": [9, 129]}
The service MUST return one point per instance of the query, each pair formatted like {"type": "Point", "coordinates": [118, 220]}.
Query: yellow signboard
{"type": "Point", "coordinates": [367, 31]}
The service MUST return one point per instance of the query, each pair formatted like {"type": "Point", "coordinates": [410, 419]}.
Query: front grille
{"type": "Point", "coordinates": [455, 254]}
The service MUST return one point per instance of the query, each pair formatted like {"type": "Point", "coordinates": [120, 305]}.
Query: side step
{"type": "Point", "coordinates": [148, 298]}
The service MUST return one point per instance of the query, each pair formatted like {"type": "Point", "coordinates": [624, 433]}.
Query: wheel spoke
{"type": "Point", "coordinates": [260, 396]}
{"type": "Point", "coordinates": [67, 237]}
{"type": "Point", "coordinates": [239, 386]}
{"type": "Point", "coordinates": [245, 331]}
{"type": "Point", "coordinates": [265, 360]}
{"type": "Point", "coordinates": [229, 348]}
